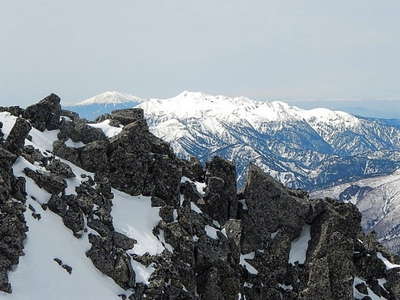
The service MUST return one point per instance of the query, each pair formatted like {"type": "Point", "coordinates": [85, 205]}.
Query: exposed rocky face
{"type": "Point", "coordinates": [378, 199]}
{"type": "Point", "coordinates": [12, 222]}
{"type": "Point", "coordinates": [45, 114]}
{"type": "Point", "coordinates": [265, 242]}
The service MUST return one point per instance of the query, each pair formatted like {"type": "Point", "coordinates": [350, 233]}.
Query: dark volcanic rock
{"type": "Point", "coordinates": [123, 116]}
{"type": "Point", "coordinates": [70, 154]}
{"type": "Point", "coordinates": [111, 260]}
{"type": "Point", "coordinates": [57, 205]}
{"type": "Point", "coordinates": [12, 222]}
{"type": "Point", "coordinates": [50, 182]}
{"type": "Point", "coordinates": [70, 114]}
{"type": "Point", "coordinates": [74, 220]}
{"type": "Point", "coordinates": [80, 131]}
{"type": "Point", "coordinates": [45, 114]}
{"type": "Point", "coordinates": [221, 194]}
{"type": "Point", "coordinates": [14, 110]}
{"type": "Point", "coordinates": [140, 163]}
{"type": "Point", "coordinates": [1, 132]}
{"type": "Point", "coordinates": [269, 207]}
{"type": "Point", "coordinates": [193, 170]}
{"type": "Point", "coordinates": [59, 168]}
{"type": "Point", "coordinates": [94, 156]}
{"type": "Point", "coordinates": [122, 241]}
{"type": "Point", "coordinates": [16, 138]}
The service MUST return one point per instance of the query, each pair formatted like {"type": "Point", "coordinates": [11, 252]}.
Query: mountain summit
{"type": "Point", "coordinates": [110, 97]}
{"type": "Point", "coordinates": [104, 103]}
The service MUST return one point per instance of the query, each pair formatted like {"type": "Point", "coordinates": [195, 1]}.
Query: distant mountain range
{"type": "Point", "coordinates": [309, 149]}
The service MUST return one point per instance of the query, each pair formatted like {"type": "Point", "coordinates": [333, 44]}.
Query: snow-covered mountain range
{"type": "Point", "coordinates": [302, 148]}
{"type": "Point", "coordinates": [378, 199]}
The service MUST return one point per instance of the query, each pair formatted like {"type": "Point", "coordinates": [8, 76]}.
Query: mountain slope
{"type": "Point", "coordinates": [302, 148]}
{"type": "Point", "coordinates": [90, 212]}
{"type": "Point", "coordinates": [378, 199]}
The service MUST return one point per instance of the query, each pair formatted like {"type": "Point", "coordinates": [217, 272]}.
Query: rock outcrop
{"type": "Point", "coordinates": [12, 222]}
{"type": "Point", "coordinates": [45, 114]}
{"type": "Point", "coordinates": [16, 139]}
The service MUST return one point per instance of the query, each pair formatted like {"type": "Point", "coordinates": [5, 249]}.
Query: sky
{"type": "Point", "coordinates": [307, 52]}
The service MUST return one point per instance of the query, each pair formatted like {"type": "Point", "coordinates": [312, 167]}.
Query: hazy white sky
{"type": "Point", "coordinates": [281, 49]}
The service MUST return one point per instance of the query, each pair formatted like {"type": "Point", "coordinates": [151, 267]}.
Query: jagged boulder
{"type": "Point", "coordinates": [80, 131]}
{"type": "Point", "coordinates": [221, 193]}
{"type": "Point", "coordinates": [34, 155]}
{"type": "Point", "coordinates": [65, 152]}
{"type": "Point", "coordinates": [45, 114]}
{"type": "Point", "coordinates": [1, 132]}
{"type": "Point", "coordinates": [50, 182]}
{"type": "Point", "coordinates": [122, 241]}
{"type": "Point", "coordinates": [269, 207]}
{"type": "Point", "coordinates": [140, 163]}
{"type": "Point", "coordinates": [57, 167]}
{"type": "Point", "coordinates": [123, 116]}
{"type": "Point", "coordinates": [111, 260]}
{"type": "Point", "coordinates": [193, 169]}
{"type": "Point", "coordinates": [70, 115]}
{"type": "Point", "coordinates": [94, 156]}
{"type": "Point", "coordinates": [16, 139]}
{"type": "Point", "coordinates": [12, 222]}
{"type": "Point", "coordinates": [332, 243]}
{"type": "Point", "coordinates": [13, 110]}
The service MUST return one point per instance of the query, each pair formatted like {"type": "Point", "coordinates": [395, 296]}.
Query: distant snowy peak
{"type": "Point", "coordinates": [111, 97]}
{"type": "Point", "coordinates": [200, 105]}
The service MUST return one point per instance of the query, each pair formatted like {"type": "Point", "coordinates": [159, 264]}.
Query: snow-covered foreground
{"type": "Point", "coordinates": [38, 276]}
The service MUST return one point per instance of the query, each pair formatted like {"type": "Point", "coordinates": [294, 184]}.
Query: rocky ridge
{"type": "Point", "coordinates": [263, 242]}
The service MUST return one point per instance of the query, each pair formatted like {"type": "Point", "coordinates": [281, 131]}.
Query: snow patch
{"type": "Point", "coordinates": [248, 266]}
{"type": "Point", "coordinates": [200, 186]}
{"type": "Point", "coordinates": [109, 131]}
{"type": "Point", "coordinates": [47, 239]}
{"type": "Point", "coordinates": [195, 208]}
{"type": "Point", "coordinates": [211, 232]}
{"type": "Point", "coordinates": [134, 217]}
{"type": "Point", "coordinates": [387, 263]}
{"type": "Point", "coordinates": [32, 190]}
{"type": "Point", "coordinates": [298, 250]}
{"type": "Point", "coordinates": [8, 121]}
{"type": "Point", "coordinates": [358, 295]}
{"type": "Point", "coordinates": [70, 143]}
